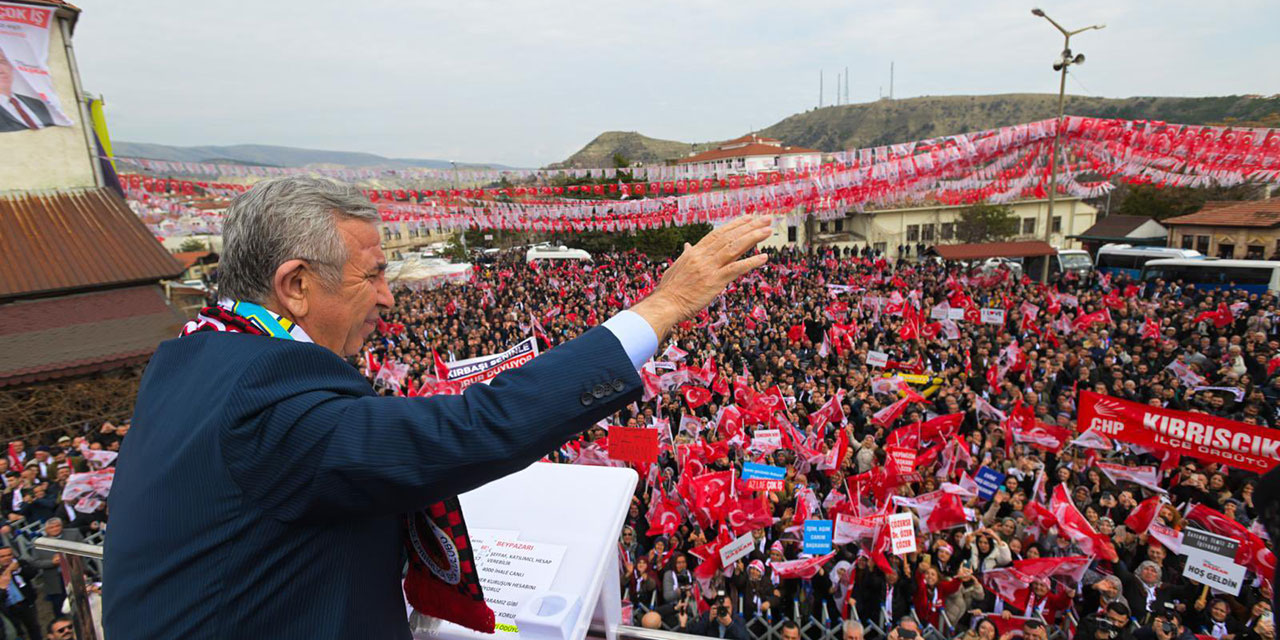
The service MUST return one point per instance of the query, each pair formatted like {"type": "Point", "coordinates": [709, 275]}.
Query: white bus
{"type": "Point", "coordinates": [545, 252]}
{"type": "Point", "coordinates": [1128, 259]}
{"type": "Point", "coordinates": [1209, 274]}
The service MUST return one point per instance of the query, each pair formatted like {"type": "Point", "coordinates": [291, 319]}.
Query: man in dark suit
{"type": "Point", "coordinates": [18, 593]}
{"type": "Point", "coordinates": [19, 112]}
{"type": "Point", "coordinates": [262, 490]}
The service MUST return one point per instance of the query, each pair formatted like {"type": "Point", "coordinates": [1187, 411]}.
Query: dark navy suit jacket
{"type": "Point", "coordinates": [259, 491]}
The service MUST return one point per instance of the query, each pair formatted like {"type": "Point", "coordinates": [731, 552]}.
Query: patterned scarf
{"type": "Point", "coordinates": [442, 581]}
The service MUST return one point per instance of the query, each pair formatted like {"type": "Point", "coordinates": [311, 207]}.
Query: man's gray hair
{"type": "Point", "coordinates": [852, 626]}
{"type": "Point", "coordinates": [284, 219]}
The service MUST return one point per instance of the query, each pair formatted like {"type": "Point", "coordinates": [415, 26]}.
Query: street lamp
{"type": "Point", "coordinates": [1066, 60]}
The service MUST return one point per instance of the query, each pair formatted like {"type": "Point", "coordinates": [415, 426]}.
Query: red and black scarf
{"type": "Point", "coordinates": [442, 581]}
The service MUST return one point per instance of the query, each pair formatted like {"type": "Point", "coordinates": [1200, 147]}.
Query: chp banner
{"type": "Point", "coordinates": [1190, 434]}
{"type": "Point", "coordinates": [485, 368]}
{"type": "Point", "coordinates": [27, 97]}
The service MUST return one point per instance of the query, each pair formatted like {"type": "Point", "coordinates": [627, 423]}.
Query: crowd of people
{"type": "Point", "coordinates": [842, 358]}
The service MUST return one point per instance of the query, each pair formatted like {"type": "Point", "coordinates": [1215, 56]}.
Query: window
{"type": "Point", "coordinates": [1253, 252]}
{"type": "Point", "coordinates": [880, 247]}
{"type": "Point", "coordinates": [791, 234]}
{"type": "Point", "coordinates": [948, 231]}
{"type": "Point", "coordinates": [1119, 261]}
{"type": "Point", "coordinates": [1028, 226]}
{"type": "Point", "coordinates": [926, 233]}
{"type": "Point", "coordinates": [1246, 275]}
{"type": "Point", "coordinates": [822, 227]}
{"type": "Point", "coordinates": [386, 233]}
{"type": "Point", "coordinates": [839, 224]}
{"type": "Point", "coordinates": [1226, 250]}
{"type": "Point", "coordinates": [1202, 244]}
{"type": "Point", "coordinates": [913, 233]}
{"type": "Point", "coordinates": [1189, 242]}
{"type": "Point", "coordinates": [1057, 224]}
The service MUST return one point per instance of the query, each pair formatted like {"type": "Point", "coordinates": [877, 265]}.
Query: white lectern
{"type": "Point", "coordinates": [580, 507]}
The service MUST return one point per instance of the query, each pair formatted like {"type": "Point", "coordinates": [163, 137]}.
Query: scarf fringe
{"type": "Point", "coordinates": [439, 600]}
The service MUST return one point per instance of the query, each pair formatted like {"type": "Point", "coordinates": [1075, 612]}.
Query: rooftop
{"type": "Point", "coordinates": [741, 150]}
{"type": "Point", "coordinates": [75, 240]}
{"type": "Point", "coordinates": [1260, 214]}
{"type": "Point", "coordinates": [1115, 227]}
{"type": "Point", "coordinates": [982, 251]}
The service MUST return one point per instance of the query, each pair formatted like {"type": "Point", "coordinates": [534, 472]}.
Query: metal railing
{"type": "Point", "coordinates": [74, 556]}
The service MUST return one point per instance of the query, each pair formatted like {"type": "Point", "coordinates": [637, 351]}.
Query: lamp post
{"type": "Point", "coordinates": [1061, 65]}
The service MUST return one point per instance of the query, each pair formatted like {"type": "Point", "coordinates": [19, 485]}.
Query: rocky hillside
{"type": "Point", "coordinates": [892, 121]}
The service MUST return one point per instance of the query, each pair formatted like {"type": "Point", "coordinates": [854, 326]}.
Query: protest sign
{"type": "Point", "coordinates": [485, 368]}
{"type": "Point", "coordinates": [902, 458]}
{"type": "Point", "coordinates": [1211, 560]}
{"type": "Point", "coordinates": [989, 482]}
{"type": "Point", "coordinates": [993, 316]}
{"type": "Point", "coordinates": [902, 533]}
{"type": "Point", "coordinates": [736, 550]}
{"type": "Point", "coordinates": [877, 359]}
{"type": "Point", "coordinates": [763, 477]}
{"type": "Point", "coordinates": [817, 536]}
{"type": "Point", "coordinates": [631, 444]}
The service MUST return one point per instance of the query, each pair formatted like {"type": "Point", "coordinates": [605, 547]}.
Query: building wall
{"type": "Point", "coordinates": [52, 157]}
{"type": "Point", "coordinates": [391, 242]}
{"type": "Point", "coordinates": [889, 228]}
{"type": "Point", "coordinates": [1227, 242]}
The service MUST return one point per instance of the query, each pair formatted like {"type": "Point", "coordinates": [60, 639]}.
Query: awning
{"type": "Point", "coordinates": [983, 251]}
{"type": "Point", "coordinates": [83, 333]}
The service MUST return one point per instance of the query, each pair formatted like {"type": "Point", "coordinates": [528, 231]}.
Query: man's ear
{"type": "Point", "coordinates": [291, 286]}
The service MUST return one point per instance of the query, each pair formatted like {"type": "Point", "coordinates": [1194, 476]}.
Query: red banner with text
{"type": "Point", "coordinates": [1197, 435]}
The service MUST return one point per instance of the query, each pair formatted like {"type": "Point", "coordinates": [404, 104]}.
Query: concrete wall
{"type": "Point", "coordinates": [53, 157]}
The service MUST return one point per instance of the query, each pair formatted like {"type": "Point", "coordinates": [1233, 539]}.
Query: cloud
{"type": "Point", "coordinates": [527, 83]}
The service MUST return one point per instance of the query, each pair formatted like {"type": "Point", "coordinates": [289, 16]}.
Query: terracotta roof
{"type": "Point", "coordinates": [1114, 227]}
{"type": "Point", "coordinates": [82, 333]}
{"type": "Point", "coordinates": [982, 251]}
{"type": "Point", "coordinates": [750, 137]}
{"type": "Point", "coordinates": [64, 241]}
{"type": "Point", "coordinates": [1250, 213]}
{"type": "Point", "coordinates": [754, 149]}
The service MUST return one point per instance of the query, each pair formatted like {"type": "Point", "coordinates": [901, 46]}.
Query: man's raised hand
{"type": "Point", "coordinates": [703, 271]}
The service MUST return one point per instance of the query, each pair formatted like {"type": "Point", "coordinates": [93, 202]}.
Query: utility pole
{"type": "Point", "coordinates": [821, 77]}
{"type": "Point", "coordinates": [846, 85]}
{"type": "Point", "coordinates": [1061, 66]}
{"type": "Point", "coordinates": [891, 80]}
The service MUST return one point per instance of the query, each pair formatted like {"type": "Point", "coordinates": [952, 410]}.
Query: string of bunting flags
{"type": "Point", "coordinates": [998, 165]}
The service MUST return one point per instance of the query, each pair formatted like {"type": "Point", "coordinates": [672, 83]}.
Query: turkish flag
{"type": "Point", "coordinates": [695, 396]}
{"type": "Point", "coordinates": [664, 516]}
{"type": "Point", "coordinates": [1140, 519]}
{"type": "Point", "coordinates": [1072, 524]}
{"type": "Point", "coordinates": [804, 568]}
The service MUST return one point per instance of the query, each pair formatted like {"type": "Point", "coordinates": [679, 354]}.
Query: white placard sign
{"type": "Point", "coordinates": [902, 533]}
{"type": "Point", "coordinates": [993, 316]}
{"type": "Point", "coordinates": [736, 550]}
{"type": "Point", "coordinates": [955, 314]}
{"type": "Point", "coordinates": [939, 313]}
{"type": "Point", "coordinates": [1211, 560]}
{"type": "Point", "coordinates": [767, 440]}
{"type": "Point", "coordinates": [877, 359]}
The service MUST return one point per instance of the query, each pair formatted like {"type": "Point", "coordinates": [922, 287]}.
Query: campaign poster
{"type": "Point", "coordinates": [485, 368]}
{"type": "Point", "coordinates": [27, 98]}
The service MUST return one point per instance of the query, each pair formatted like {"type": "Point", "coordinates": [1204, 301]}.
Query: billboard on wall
{"type": "Point", "coordinates": [27, 98]}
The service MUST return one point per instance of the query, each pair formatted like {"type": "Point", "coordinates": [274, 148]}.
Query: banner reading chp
{"type": "Point", "coordinates": [27, 98]}
{"type": "Point", "coordinates": [1197, 435]}
{"type": "Point", "coordinates": [485, 368]}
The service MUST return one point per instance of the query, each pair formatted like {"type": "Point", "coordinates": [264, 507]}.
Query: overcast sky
{"type": "Point", "coordinates": [529, 82]}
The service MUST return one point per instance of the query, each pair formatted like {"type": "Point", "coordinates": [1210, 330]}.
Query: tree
{"type": "Point", "coordinates": [986, 223]}
{"type": "Point", "coordinates": [1157, 202]}
{"type": "Point", "coordinates": [192, 244]}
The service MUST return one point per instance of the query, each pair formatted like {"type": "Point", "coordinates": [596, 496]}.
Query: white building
{"type": "Point", "coordinates": [886, 229]}
{"type": "Point", "coordinates": [751, 154]}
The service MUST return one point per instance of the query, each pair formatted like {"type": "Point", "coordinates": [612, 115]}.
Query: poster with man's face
{"type": "Point", "coordinates": [27, 98]}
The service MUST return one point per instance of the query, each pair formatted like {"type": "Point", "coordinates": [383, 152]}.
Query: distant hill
{"type": "Point", "coordinates": [273, 156]}
{"type": "Point", "coordinates": [893, 121]}
{"type": "Point", "coordinates": [633, 146]}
